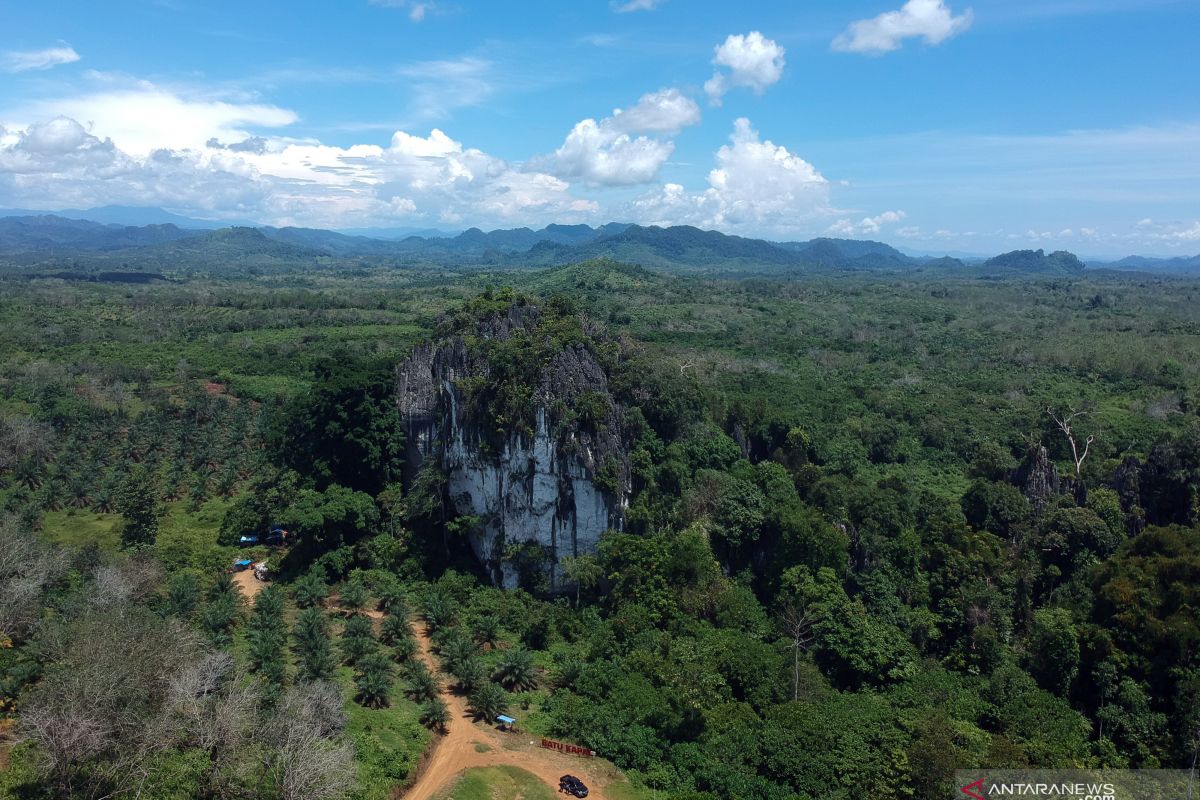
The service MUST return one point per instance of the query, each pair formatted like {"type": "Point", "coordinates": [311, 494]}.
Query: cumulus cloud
{"type": "Point", "coordinates": [665, 111]}
{"type": "Point", "coordinates": [931, 20]}
{"type": "Point", "coordinates": [596, 153]}
{"type": "Point", "coordinates": [427, 179]}
{"type": "Point", "coordinates": [636, 5]}
{"type": "Point", "coordinates": [751, 61]}
{"type": "Point", "coordinates": [142, 117]}
{"type": "Point", "coordinates": [756, 186]}
{"type": "Point", "coordinates": [609, 153]}
{"type": "Point", "coordinates": [59, 163]}
{"type": "Point", "coordinates": [26, 60]}
{"type": "Point", "coordinates": [867, 226]}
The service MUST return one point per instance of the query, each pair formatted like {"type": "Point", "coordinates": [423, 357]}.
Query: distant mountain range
{"type": "Point", "coordinates": [38, 238]}
{"type": "Point", "coordinates": [134, 216]}
{"type": "Point", "coordinates": [1177, 265]}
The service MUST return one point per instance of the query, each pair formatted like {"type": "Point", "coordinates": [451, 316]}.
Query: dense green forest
{"type": "Point", "coordinates": [864, 545]}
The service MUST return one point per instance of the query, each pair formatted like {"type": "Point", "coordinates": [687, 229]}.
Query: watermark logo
{"type": "Point", "coordinates": [972, 789]}
{"type": "Point", "coordinates": [1113, 784]}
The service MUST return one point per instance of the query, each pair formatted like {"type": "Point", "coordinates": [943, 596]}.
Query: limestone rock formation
{"type": "Point", "coordinates": [1037, 478]}
{"type": "Point", "coordinates": [546, 473]}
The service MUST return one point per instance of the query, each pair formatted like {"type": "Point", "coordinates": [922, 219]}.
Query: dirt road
{"type": "Point", "coordinates": [247, 584]}
{"type": "Point", "coordinates": [468, 744]}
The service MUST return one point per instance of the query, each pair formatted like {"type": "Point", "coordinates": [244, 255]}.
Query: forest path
{"type": "Point", "coordinates": [467, 745]}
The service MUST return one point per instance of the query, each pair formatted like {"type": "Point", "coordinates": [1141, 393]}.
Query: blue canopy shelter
{"type": "Point", "coordinates": [506, 722]}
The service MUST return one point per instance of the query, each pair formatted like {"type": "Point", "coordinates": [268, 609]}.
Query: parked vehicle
{"type": "Point", "coordinates": [572, 786]}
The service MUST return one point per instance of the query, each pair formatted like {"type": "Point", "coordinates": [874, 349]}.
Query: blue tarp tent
{"type": "Point", "coordinates": [507, 722]}
{"type": "Point", "coordinates": [242, 564]}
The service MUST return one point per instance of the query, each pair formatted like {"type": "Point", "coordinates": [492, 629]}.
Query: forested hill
{"type": "Point", "coordinates": [678, 249]}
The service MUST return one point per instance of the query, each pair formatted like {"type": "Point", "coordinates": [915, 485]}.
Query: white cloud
{"type": "Point", "coordinates": [142, 117]}
{"type": "Point", "coordinates": [426, 179]}
{"type": "Point", "coordinates": [58, 163]}
{"type": "Point", "coordinates": [439, 87]}
{"type": "Point", "coordinates": [867, 226]}
{"type": "Point", "coordinates": [416, 10]}
{"type": "Point", "coordinates": [753, 62]}
{"type": "Point", "coordinates": [25, 60]}
{"type": "Point", "coordinates": [595, 153]}
{"type": "Point", "coordinates": [608, 153]}
{"type": "Point", "coordinates": [931, 20]}
{"type": "Point", "coordinates": [1186, 234]}
{"type": "Point", "coordinates": [757, 187]}
{"type": "Point", "coordinates": [636, 5]}
{"type": "Point", "coordinates": [664, 111]}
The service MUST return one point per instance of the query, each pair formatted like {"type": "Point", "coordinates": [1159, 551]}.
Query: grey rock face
{"type": "Point", "coordinates": [1038, 478]}
{"type": "Point", "coordinates": [535, 494]}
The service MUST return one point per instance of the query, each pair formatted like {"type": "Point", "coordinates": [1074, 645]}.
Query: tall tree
{"type": "Point", "coordinates": [138, 503]}
{"type": "Point", "coordinates": [346, 429]}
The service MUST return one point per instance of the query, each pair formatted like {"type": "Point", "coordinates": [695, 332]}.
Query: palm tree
{"type": "Point", "coordinates": [488, 701]}
{"type": "Point", "coordinates": [486, 630]}
{"type": "Point", "coordinates": [394, 629]}
{"type": "Point", "coordinates": [309, 589]}
{"type": "Point", "coordinates": [435, 715]}
{"type": "Point", "coordinates": [439, 611]}
{"type": "Point", "coordinates": [268, 634]}
{"type": "Point", "coordinates": [568, 672]}
{"type": "Point", "coordinates": [219, 616]}
{"type": "Point", "coordinates": [311, 636]}
{"type": "Point", "coordinates": [183, 595]}
{"type": "Point", "coordinates": [354, 597]}
{"type": "Point", "coordinates": [374, 680]}
{"type": "Point", "coordinates": [422, 686]}
{"type": "Point", "coordinates": [358, 639]}
{"type": "Point", "coordinates": [470, 675]}
{"type": "Point", "coordinates": [392, 599]}
{"type": "Point", "coordinates": [456, 652]}
{"type": "Point", "coordinates": [515, 670]}
{"type": "Point", "coordinates": [404, 650]}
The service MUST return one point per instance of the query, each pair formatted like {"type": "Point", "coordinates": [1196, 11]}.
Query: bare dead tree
{"type": "Point", "coordinates": [1065, 423]}
{"type": "Point", "coordinates": [798, 624]}
{"type": "Point", "coordinates": [97, 714]}
{"type": "Point", "coordinates": [27, 567]}
{"type": "Point", "coordinates": [308, 758]}
{"type": "Point", "coordinates": [686, 366]}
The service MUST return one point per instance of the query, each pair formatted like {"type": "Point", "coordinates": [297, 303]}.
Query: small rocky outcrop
{"type": "Point", "coordinates": [1038, 479]}
{"type": "Point", "coordinates": [1127, 484]}
{"type": "Point", "coordinates": [513, 406]}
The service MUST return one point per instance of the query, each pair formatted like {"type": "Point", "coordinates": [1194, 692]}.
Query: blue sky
{"type": "Point", "coordinates": [936, 125]}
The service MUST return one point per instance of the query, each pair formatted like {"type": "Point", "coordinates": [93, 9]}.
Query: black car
{"type": "Point", "coordinates": [572, 785]}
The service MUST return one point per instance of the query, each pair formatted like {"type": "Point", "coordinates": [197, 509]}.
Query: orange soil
{"type": "Point", "coordinates": [247, 584]}
{"type": "Point", "coordinates": [456, 750]}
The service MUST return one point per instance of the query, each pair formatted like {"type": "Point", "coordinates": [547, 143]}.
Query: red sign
{"type": "Point", "coordinates": [563, 747]}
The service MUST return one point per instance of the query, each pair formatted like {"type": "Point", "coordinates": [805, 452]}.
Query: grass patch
{"type": "Point", "coordinates": [497, 783]}
{"type": "Point", "coordinates": [186, 540]}
{"type": "Point", "coordinates": [388, 742]}
{"type": "Point", "coordinates": [189, 540]}
{"type": "Point", "coordinates": [75, 528]}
